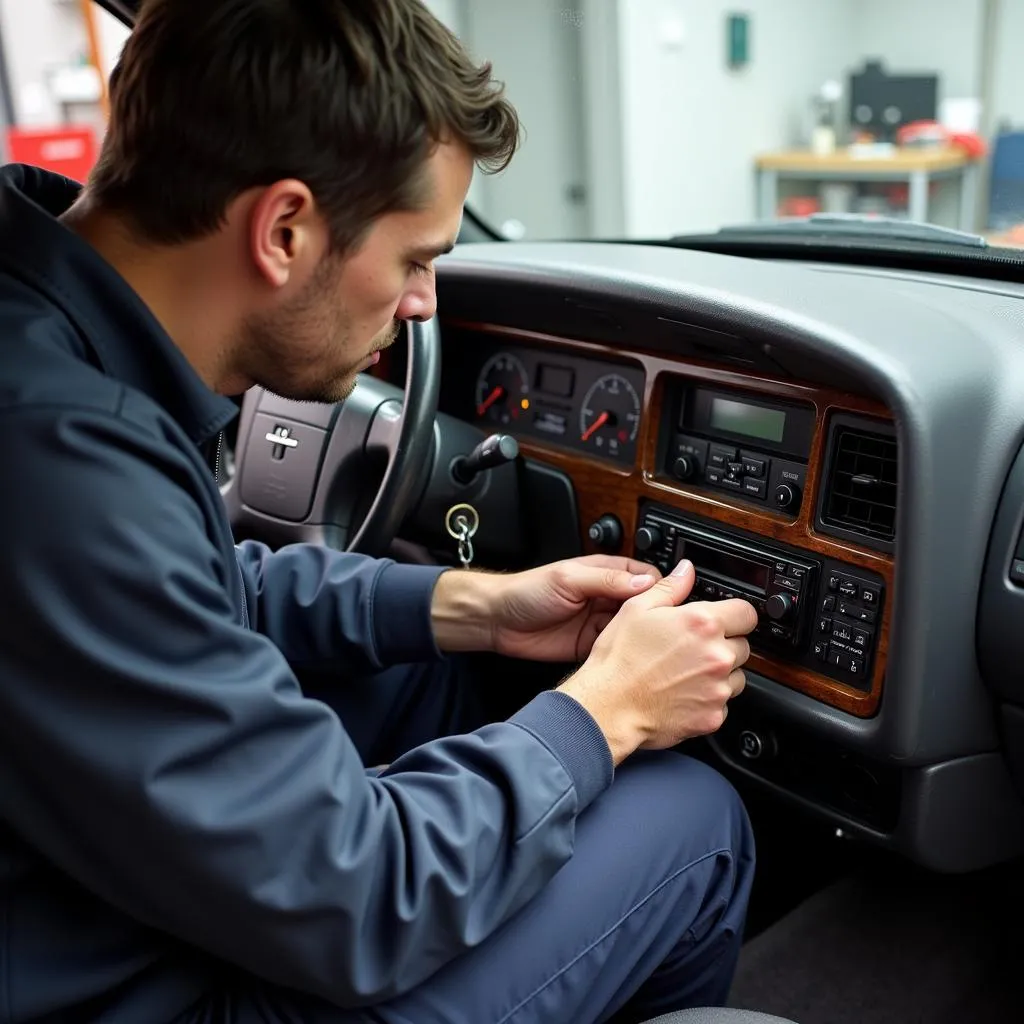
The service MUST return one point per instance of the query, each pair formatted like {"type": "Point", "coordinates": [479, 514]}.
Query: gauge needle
{"type": "Point", "coordinates": [490, 400]}
{"type": "Point", "coordinates": [596, 425]}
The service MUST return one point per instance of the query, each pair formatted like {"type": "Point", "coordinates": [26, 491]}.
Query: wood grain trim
{"type": "Point", "coordinates": [603, 487]}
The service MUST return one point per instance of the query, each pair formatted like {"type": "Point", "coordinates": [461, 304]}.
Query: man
{"type": "Point", "coordinates": [184, 834]}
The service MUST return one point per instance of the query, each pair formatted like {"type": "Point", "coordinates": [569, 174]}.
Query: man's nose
{"type": "Point", "coordinates": [419, 305]}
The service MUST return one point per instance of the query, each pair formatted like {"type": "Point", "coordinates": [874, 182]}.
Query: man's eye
{"type": "Point", "coordinates": [421, 268]}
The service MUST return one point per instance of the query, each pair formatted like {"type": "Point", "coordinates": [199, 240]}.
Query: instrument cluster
{"type": "Point", "coordinates": [587, 405]}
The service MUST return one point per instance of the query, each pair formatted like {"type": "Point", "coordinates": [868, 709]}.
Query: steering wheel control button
{"type": "Point", "coordinates": [751, 745]}
{"type": "Point", "coordinates": [1017, 572]}
{"type": "Point", "coordinates": [279, 468]}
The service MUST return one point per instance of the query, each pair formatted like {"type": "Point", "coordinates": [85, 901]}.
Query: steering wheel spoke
{"type": "Point", "coordinates": [303, 469]}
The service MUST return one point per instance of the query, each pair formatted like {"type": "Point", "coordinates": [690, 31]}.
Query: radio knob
{"type": "Point", "coordinates": [779, 607]}
{"type": "Point", "coordinates": [787, 496]}
{"type": "Point", "coordinates": [647, 538]}
{"type": "Point", "coordinates": [682, 468]}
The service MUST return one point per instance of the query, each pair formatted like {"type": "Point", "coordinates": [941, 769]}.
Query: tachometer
{"type": "Point", "coordinates": [610, 417]}
{"type": "Point", "coordinates": [502, 389]}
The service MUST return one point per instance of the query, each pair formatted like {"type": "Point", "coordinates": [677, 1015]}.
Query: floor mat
{"type": "Point", "coordinates": [899, 947]}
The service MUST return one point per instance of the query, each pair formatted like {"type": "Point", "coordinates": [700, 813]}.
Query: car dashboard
{"type": "Point", "coordinates": [832, 443]}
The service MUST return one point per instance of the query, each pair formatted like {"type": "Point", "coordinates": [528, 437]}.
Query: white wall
{"type": "Point", "coordinates": [1008, 84]}
{"type": "Point", "coordinates": [691, 125]}
{"type": "Point", "coordinates": [913, 36]}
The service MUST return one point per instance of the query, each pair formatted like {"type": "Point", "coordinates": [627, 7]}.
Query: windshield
{"type": "Point", "coordinates": [652, 119]}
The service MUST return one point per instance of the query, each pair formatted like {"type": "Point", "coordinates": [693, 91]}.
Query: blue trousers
{"type": "Point", "coordinates": [646, 917]}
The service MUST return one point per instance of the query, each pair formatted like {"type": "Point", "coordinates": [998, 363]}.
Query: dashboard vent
{"type": "Point", "coordinates": [861, 489]}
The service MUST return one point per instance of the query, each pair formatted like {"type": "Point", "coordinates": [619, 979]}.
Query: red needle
{"type": "Point", "coordinates": [596, 425]}
{"type": "Point", "coordinates": [490, 400]}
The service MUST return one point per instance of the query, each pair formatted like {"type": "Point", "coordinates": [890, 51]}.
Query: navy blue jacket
{"type": "Point", "coordinates": [172, 808]}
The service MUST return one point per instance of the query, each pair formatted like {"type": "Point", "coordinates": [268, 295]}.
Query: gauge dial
{"type": "Point", "coordinates": [502, 390]}
{"type": "Point", "coordinates": [610, 417]}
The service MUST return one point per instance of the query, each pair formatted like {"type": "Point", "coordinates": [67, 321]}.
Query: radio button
{"type": "Point", "coordinates": [869, 595]}
{"type": "Point", "coordinates": [713, 476]}
{"type": "Point", "coordinates": [720, 456]}
{"type": "Point", "coordinates": [781, 567]}
{"type": "Point", "coordinates": [862, 638]}
{"type": "Point", "coordinates": [848, 589]}
{"type": "Point", "coordinates": [797, 572]}
{"type": "Point", "coordinates": [708, 589]}
{"type": "Point", "coordinates": [787, 584]}
{"type": "Point", "coordinates": [842, 631]}
{"type": "Point", "coordinates": [834, 580]}
{"type": "Point", "coordinates": [779, 632]}
{"type": "Point", "coordinates": [828, 604]}
{"type": "Point", "coordinates": [837, 656]}
{"type": "Point", "coordinates": [757, 488]}
{"type": "Point", "coordinates": [825, 625]}
{"type": "Point", "coordinates": [731, 483]}
{"type": "Point", "coordinates": [854, 665]}
{"type": "Point", "coordinates": [821, 650]}
{"type": "Point", "coordinates": [753, 467]}
{"type": "Point", "coordinates": [865, 615]}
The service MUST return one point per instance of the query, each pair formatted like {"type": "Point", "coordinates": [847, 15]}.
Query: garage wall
{"type": "Point", "coordinates": [691, 126]}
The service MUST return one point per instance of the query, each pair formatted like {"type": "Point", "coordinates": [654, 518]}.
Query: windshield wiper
{"type": "Point", "coordinates": [831, 227]}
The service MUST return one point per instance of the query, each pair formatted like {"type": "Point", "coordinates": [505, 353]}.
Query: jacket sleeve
{"type": "Point", "coordinates": [163, 755]}
{"type": "Point", "coordinates": [322, 607]}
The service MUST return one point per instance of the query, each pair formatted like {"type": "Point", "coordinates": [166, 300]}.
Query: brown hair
{"type": "Point", "coordinates": [213, 97]}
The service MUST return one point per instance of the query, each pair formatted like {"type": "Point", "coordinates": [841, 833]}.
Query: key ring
{"type": "Point", "coordinates": [461, 522]}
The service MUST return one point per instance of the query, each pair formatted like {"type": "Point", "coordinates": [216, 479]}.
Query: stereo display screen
{"type": "Point", "coordinates": [721, 563]}
{"type": "Point", "coordinates": [748, 420]}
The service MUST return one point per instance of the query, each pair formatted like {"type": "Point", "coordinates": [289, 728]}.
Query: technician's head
{"type": "Point", "coordinates": [320, 150]}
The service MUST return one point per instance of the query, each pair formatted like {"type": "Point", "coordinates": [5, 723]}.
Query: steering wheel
{"type": "Point", "coordinates": [301, 468]}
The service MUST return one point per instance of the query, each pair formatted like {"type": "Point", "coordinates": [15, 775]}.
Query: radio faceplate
{"type": "Point", "coordinates": [813, 612]}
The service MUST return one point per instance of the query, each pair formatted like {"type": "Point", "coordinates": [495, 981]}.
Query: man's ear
{"type": "Point", "coordinates": [286, 233]}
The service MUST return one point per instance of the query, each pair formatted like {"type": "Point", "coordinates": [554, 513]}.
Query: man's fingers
{"type": "Point", "coordinates": [617, 585]}
{"type": "Point", "coordinates": [738, 617]}
{"type": "Point", "coordinates": [670, 590]}
{"type": "Point", "coordinates": [620, 562]}
{"type": "Point", "coordinates": [740, 650]}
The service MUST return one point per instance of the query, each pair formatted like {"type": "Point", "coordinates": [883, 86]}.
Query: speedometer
{"type": "Point", "coordinates": [610, 416]}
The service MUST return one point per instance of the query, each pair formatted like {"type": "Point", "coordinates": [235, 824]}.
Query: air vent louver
{"type": "Point", "coordinates": [861, 487]}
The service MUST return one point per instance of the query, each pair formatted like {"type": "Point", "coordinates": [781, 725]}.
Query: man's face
{"type": "Point", "coordinates": [311, 346]}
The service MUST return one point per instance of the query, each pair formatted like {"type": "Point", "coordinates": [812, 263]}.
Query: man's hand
{"type": "Point", "coordinates": [552, 613]}
{"type": "Point", "coordinates": [555, 612]}
{"type": "Point", "coordinates": [661, 673]}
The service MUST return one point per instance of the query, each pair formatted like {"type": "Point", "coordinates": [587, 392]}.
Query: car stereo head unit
{"type": "Point", "coordinates": [814, 612]}
{"type": "Point", "coordinates": [780, 588]}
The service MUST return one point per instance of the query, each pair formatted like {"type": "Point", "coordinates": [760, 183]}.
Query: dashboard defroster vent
{"type": "Point", "coordinates": [860, 485]}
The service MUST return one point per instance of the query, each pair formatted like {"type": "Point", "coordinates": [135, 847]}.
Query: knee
{"type": "Point", "coordinates": [687, 805]}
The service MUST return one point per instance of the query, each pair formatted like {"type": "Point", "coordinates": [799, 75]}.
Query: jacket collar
{"type": "Point", "coordinates": [126, 340]}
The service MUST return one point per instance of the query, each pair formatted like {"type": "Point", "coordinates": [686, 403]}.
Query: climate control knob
{"type": "Point", "coordinates": [779, 607]}
{"type": "Point", "coordinates": [647, 538]}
